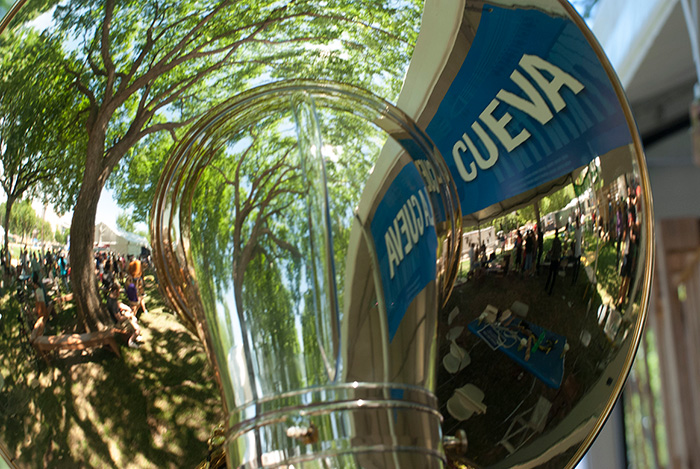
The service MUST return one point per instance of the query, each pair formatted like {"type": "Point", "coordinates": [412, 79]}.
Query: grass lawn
{"type": "Point", "coordinates": [154, 407]}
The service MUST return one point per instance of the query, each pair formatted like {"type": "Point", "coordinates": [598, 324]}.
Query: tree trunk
{"type": "Point", "coordinates": [8, 209]}
{"type": "Point", "coordinates": [82, 236]}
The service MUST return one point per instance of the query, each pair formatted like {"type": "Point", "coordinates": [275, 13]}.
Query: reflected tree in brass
{"type": "Point", "coordinates": [141, 68]}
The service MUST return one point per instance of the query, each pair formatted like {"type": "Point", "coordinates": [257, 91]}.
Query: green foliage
{"type": "Point", "coordinates": [61, 236]}
{"type": "Point", "coordinates": [557, 200]}
{"type": "Point", "coordinates": [23, 219]}
{"type": "Point", "coordinates": [367, 44]}
{"type": "Point", "coordinates": [548, 204]}
{"type": "Point", "coordinates": [134, 182]}
{"type": "Point", "coordinates": [136, 75]}
{"type": "Point", "coordinates": [125, 222]}
{"type": "Point", "coordinates": [37, 125]}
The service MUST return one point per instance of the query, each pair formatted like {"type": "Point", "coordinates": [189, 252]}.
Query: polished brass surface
{"type": "Point", "coordinates": [334, 171]}
{"type": "Point", "coordinates": [300, 339]}
{"type": "Point", "coordinates": [504, 397]}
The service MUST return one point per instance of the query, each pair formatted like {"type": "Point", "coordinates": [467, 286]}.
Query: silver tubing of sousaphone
{"type": "Point", "coordinates": [309, 232]}
{"type": "Point", "coordinates": [335, 376]}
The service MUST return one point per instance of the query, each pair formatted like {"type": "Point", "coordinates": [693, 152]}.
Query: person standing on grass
{"type": "Point", "coordinates": [540, 247]}
{"type": "Point", "coordinates": [577, 251]}
{"type": "Point", "coordinates": [135, 272]}
{"type": "Point", "coordinates": [35, 265]}
{"type": "Point", "coordinates": [628, 251]}
{"type": "Point", "coordinates": [555, 259]}
{"type": "Point", "coordinates": [63, 271]}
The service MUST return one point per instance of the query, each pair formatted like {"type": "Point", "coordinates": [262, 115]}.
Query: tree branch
{"type": "Point", "coordinates": [281, 243]}
{"type": "Point", "coordinates": [92, 112]}
{"type": "Point", "coordinates": [105, 43]}
{"type": "Point", "coordinates": [93, 66]}
{"type": "Point", "coordinates": [148, 46]}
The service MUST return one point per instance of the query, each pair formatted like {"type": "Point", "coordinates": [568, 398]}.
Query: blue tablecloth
{"type": "Point", "coordinates": [547, 366]}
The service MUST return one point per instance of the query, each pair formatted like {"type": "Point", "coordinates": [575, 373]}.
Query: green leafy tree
{"type": "Point", "coordinates": [241, 241]}
{"type": "Point", "coordinates": [23, 221]}
{"type": "Point", "coordinates": [125, 222]}
{"type": "Point", "coordinates": [368, 44]}
{"type": "Point", "coordinates": [43, 230]}
{"type": "Point", "coordinates": [141, 68]}
{"type": "Point", "coordinates": [134, 182]}
{"type": "Point", "coordinates": [251, 232]}
{"type": "Point", "coordinates": [558, 200]}
{"type": "Point", "coordinates": [238, 201]}
{"type": "Point", "coordinates": [35, 120]}
{"type": "Point", "coordinates": [61, 236]}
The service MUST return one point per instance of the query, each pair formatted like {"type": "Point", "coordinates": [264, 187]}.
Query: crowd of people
{"type": "Point", "coordinates": [619, 225]}
{"type": "Point", "coordinates": [627, 230]}
{"type": "Point", "coordinates": [47, 274]}
{"type": "Point", "coordinates": [119, 275]}
{"type": "Point", "coordinates": [52, 265]}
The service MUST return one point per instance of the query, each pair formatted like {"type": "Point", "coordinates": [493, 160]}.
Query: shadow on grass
{"type": "Point", "coordinates": [153, 407]}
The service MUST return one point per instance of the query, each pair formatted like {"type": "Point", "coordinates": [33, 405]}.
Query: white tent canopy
{"type": "Point", "coordinates": [119, 241]}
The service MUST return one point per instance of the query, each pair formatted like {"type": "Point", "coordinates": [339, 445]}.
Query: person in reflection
{"type": "Point", "coordinates": [618, 229]}
{"type": "Point", "coordinates": [540, 247]}
{"type": "Point", "coordinates": [631, 207]}
{"type": "Point", "coordinates": [628, 250]}
{"type": "Point", "coordinates": [554, 260]}
{"type": "Point", "coordinates": [529, 252]}
{"type": "Point", "coordinates": [518, 251]}
{"type": "Point", "coordinates": [610, 220]}
{"type": "Point", "coordinates": [576, 265]}
{"type": "Point", "coordinates": [122, 314]}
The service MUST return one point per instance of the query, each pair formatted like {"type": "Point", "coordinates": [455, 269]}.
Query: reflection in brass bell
{"type": "Point", "coordinates": [557, 241]}
{"type": "Point", "coordinates": [319, 303]}
{"type": "Point", "coordinates": [425, 244]}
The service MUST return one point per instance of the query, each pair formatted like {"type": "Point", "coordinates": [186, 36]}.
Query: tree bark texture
{"type": "Point", "coordinates": [82, 236]}
{"type": "Point", "coordinates": [8, 210]}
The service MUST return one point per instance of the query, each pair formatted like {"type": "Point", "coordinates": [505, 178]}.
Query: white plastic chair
{"type": "Point", "coordinates": [465, 402]}
{"type": "Point", "coordinates": [525, 425]}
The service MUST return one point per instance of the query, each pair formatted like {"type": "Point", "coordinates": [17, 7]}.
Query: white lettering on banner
{"type": "Point", "coordinates": [412, 220]}
{"type": "Point", "coordinates": [535, 106]}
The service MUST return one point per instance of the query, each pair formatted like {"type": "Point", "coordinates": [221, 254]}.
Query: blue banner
{"type": "Point", "coordinates": [531, 103]}
{"type": "Point", "coordinates": [403, 229]}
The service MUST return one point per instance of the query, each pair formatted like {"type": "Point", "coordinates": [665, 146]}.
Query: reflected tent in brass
{"type": "Point", "coordinates": [407, 234]}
